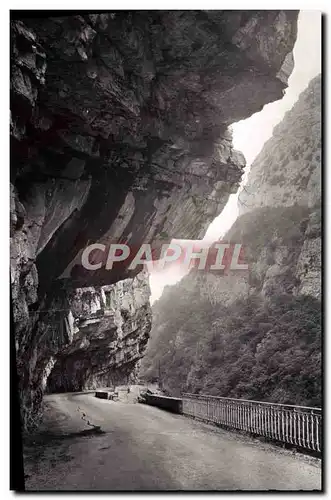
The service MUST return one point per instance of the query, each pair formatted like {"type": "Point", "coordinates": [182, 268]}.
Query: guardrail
{"type": "Point", "coordinates": [173, 405]}
{"type": "Point", "coordinates": [296, 425]}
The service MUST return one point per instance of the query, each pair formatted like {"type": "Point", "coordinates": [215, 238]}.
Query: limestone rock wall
{"type": "Point", "coordinates": [282, 199]}
{"type": "Point", "coordinates": [109, 331]}
{"type": "Point", "coordinates": [288, 169]}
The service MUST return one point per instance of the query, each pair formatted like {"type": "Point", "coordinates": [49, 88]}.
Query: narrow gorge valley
{"type": "Point", "coordinates": [256, 334]}
{"type": "Point", "coordinates": [119, 133]}
{"type": "Point", "coordinates": [132, 131]}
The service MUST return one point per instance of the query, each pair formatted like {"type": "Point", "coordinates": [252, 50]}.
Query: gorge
{"type": "Point", "coordinates": [256, 334]}
{"type": "Point", "coordinates": [119, 133]}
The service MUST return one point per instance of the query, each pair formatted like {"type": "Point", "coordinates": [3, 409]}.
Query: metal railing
{"type": "Point", "coordinates": [296, 425]}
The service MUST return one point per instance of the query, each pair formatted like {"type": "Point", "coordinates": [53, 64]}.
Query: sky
{"type": "Point", "coordinates": [249, 135]}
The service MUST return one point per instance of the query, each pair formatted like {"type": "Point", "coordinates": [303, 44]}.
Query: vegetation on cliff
{"type": "Point", "coordinates": [254, 349]}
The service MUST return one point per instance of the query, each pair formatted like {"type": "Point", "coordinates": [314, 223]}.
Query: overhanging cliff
{"type": "Point", "coordinates": [119, 132]}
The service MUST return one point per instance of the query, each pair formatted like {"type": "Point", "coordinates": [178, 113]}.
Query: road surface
{"type": "Point", "coordinates": [143, 448]}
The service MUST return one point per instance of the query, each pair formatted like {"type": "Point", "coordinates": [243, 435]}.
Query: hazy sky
{"type": "Point", "coordinates": [249, 135]}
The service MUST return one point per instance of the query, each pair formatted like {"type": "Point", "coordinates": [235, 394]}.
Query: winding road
{"type": "Point", "coordinates": [140, 448]}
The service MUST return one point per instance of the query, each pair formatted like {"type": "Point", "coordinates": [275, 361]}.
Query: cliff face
{"type": "Point", "coordinates": [281, 203]}
{"type": "Point", "coordinates": [256, 333]}
{"type": "Point", "coordinates": [119, 133]}
{"type": "Point", "coordinates": [109, 329]}
{"type": "Point", "coordinates": [288, 169]}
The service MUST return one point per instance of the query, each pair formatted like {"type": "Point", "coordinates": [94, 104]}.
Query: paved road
{"type": "Point", "coordinates": [145, 448]}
